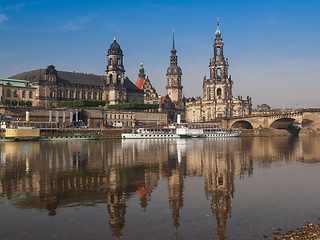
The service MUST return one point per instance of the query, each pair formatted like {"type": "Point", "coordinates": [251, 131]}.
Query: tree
{"type": "Point", "coordinates": [6, 102]}
{"type": "Point", "coordinates": [14, 102]}
{"type": "Point", "coordinates": [22, 103]}
{"type": "Point", "coordinates": [29, 103]}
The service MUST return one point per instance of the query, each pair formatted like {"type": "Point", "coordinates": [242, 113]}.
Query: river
{"type": "Point", "coordinates": [236, 188]}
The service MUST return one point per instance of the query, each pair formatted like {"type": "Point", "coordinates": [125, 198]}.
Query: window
{"type": "Point", "coordinates": [77, 94]}
{"type": "Point", "coordinates": [110, 78]}
{"type": "Point", "coordinates": [100, 96]}
{"type": "Point", "coordinates": [15, 94]}
{"type": "Point", "coordinates": [218, 72]}
{"type": "Point", "coordinates": [65, 93]}
{"type": "Point", "coordinates": [218, 51]}
{"type": "Point", "coordinates": [119, 78]}
{"type": "Point", "coordinates": [8, 93]}
{"type": "Point", "coordinates": [89, 95]}
{"type": "Point", "coordinates": [51, 93]}
{"type": "Point", "coordinates": [110, 61]}
{"type": "Point", "coordinates": [71, 93]}
{"type": "Point", "coordinates": [219, 91]}
{"type": "Point", "coordinates": [118, 61]}
{"type": "Point", "coordinates": [83, 95]}
{"type": "Point", "coordinates": [30, 94]}
{"type": "Point", "coordinates": [94, 96]}
{"type": "Point", "coordinates": [59, 93]}
{"type": "Point", "coordinates": [23, 94]}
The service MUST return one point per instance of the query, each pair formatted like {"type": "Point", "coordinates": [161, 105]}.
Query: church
{"type": "Point", "coordinates": [218, 101]}
{"type": "Point", "coordinates": [54, 86]}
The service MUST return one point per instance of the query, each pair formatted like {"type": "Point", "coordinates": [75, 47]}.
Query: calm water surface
{"type": "Point", "coordinates": [242, 188]}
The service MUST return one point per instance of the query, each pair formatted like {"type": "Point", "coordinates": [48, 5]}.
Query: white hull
{"type": "Point", "coordinates": [148, 135]}
{"type": "Point", "coordinates": [221, 135]}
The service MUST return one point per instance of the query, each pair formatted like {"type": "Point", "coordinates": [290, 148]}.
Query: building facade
{"type": "Point", "coordinates": [150, 94]}
{"type": "Point", "coordinates": [14, 89]}
{"type": "Point", "coordinates": [53, 86]}
{"type": "Point", "coordinates": [218, 101]}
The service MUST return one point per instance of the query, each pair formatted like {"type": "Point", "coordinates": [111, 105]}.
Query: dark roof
{"type": "Point", "coordinates": [130, 86]}
{"type": "Point", "coordinates": [72, 78]}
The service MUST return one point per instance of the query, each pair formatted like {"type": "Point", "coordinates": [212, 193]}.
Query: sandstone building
{"type": "Point", "coordinates": [218, 101]}
{"type": "Point", "coordinates": [149, 92]}
{"type": "Point", "coordinates": [20, 90]}
{"type": "Point", "coordinates": [54, 86]}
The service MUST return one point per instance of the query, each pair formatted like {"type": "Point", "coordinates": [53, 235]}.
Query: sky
{"type": "Point", "coordinates": [273, 47]}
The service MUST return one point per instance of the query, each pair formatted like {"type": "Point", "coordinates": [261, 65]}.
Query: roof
{"type": "Point", "coordinates": [73, 78]}
{"type": "Point", "coordinates": [63, 77]}
{"type": "Point", "coordinates": [163, 98]}
{"type": "Point", "coordinates": [140, 82]}
{"type": "Point", "coordinates": [16, 83]}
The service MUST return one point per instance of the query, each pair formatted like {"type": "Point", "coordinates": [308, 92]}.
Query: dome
{"type": "Point", "coordinates": [173, 70]}
{"type": "Point", "coordinates": [115, 48]}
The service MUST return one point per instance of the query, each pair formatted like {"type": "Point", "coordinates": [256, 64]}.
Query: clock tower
{"type": "Point", "coordinates": [174, 87]}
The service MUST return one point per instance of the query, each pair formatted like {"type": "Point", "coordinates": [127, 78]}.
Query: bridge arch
{"type": "Point", "coordinates": [282, 123]}
{"type": "Point", "coordinates": [242, 124]}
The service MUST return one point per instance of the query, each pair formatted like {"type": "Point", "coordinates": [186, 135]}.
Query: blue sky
{"type": "Point", "coordinates": [272, 46]}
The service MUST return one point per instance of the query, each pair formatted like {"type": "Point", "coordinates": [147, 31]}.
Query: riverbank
{"type": "Point", "coordinates": [309, 232]}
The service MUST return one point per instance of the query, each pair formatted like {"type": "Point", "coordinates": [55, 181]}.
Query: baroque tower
{"type": "Point", "coordinates": [174, 87]}
{"type": "Point", "coordinates": [218, 87]}
{"type": "Point", "coordinates": [116, 92]}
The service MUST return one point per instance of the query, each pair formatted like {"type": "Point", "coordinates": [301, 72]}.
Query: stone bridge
{"type": "Point", "coordinates": [306, 118]}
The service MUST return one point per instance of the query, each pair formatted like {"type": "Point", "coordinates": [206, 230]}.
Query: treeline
{"type": "Point", "coordinates": [14, 102]}
{"type": "Point", "coordinates": [82, 103]}
{"type": "Point", "coordinates": [134, 106]}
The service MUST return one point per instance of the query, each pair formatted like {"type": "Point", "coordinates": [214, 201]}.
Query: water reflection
{"type": "Point", "coordinates": [49, 175]}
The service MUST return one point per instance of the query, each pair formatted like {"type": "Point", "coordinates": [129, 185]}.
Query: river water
{"type": "Point", "coordinates": [236, 188]}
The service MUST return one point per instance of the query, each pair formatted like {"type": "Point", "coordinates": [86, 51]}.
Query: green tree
{"type": "Point", "coordinates": [22, 103]}
{"type": "Point", "coordinates": [6, 102]}
{"type": "Point", "coordinates": [14, 102]}
{"type": "Point", "coordinates": [29, 103]}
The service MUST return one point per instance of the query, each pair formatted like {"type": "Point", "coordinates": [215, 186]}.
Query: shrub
{"type": "Point", "coordinates": [14, 102]}
{"type": "Point", "coordinates": [29, 103]}
{"type": "Point", "coordinates": [134, 106]}
{"type": "Point", "coordinates": [6, 102]}
{"type": "Point", "coordinates": [82, 103]}
{"type": "Point", "coordinates": [22, 103]}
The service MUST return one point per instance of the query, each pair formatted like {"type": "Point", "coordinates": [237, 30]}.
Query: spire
{"type": "Point", "coordinates": [173, 37]}
{"type": "Point", "coordinates": [218, 33]}
{"type": "Point", "coordinates": [141, 72]}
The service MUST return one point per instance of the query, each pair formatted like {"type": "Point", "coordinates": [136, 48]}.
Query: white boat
{"type": "Point", "coordinates": [220, 132]}
{"type": "Point", "coordinates": [151, 133]}
{"type": "Point", "coordinates": [181, 132]}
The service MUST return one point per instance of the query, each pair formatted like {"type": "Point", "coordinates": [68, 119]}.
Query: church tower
{"type": "Point", "coordinates": [174, 87]}
{"type": "Point", "coordinates": [116, 92]}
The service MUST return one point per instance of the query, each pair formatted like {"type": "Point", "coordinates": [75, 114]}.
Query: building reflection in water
{"type": "Point", "coordinates": [48, 175]}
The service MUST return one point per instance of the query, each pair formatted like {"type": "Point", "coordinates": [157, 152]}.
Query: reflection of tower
{"type": "Point", "coordinates": [219, 183]}
{"type": "Point", "coordinates": [116, 201]}
{"type": "Point", "coordinates": [175, 185]}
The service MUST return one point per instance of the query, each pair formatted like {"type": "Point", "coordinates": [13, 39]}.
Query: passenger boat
{"type": "Point", "coordinates": [44, 131]}
{"type": "Point", "coordinates": [151, 133]}
{"type": "Point", "coordinates": [182, 131]}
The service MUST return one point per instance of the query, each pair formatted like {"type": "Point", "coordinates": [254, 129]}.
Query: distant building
{"type": "Point", "coordinates": [149, 92]}
{"type": "Point", "coordinates": [174, 103]}
{"type": "Point", "coordinates": [218, 101]}
{"type": "Point", "coordinates": [53, 86]}
{"type": "Point", "coordinates": [263, 108]}
{"type": "Point", "coordinates": [14, 89]}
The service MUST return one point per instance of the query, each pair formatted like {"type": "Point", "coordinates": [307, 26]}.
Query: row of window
{"type": "Point", "coordinates": [119, 116]}
{"type": "Point", "coordinates": [70, 94]}
{"type": "Point", "coordinates": [15, 93]}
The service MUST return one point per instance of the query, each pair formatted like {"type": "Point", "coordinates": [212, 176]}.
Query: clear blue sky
{"type": "Point", "coordinates": [273, 46]}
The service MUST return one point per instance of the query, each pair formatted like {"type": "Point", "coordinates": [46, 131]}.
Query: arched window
{"type": "Point", "coordinates": [218, 72]}
{"type": "Point", "coordinates": [83, 95]}
{"type": "Point", "coordinates": [71, 94]}
{"type": "Point", "coordinates": [65, 93]}
{"type": "Point", "coordinates": [118, 78]}
{"type": "Point", "coordinates": [100, 96]}
{"type": "Point", "coordinates": [219, 92]}
{"type": "Point", "coordinates": [89, 95]}
{"type": "Point", "coordinates": [110, 79]}
{"type": "Point", "coordinates": [110, 61]}
{"type": "Point", "coordinates": [59, 93]}
{"type": "Point", "coordinates": [218, 51]}
{"type": "Point", "coordinates": [118, 61]}
{"type": "Point", "coordinates": [77, 94]}
{"type": "Point", "coordinates": [94, 96]}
